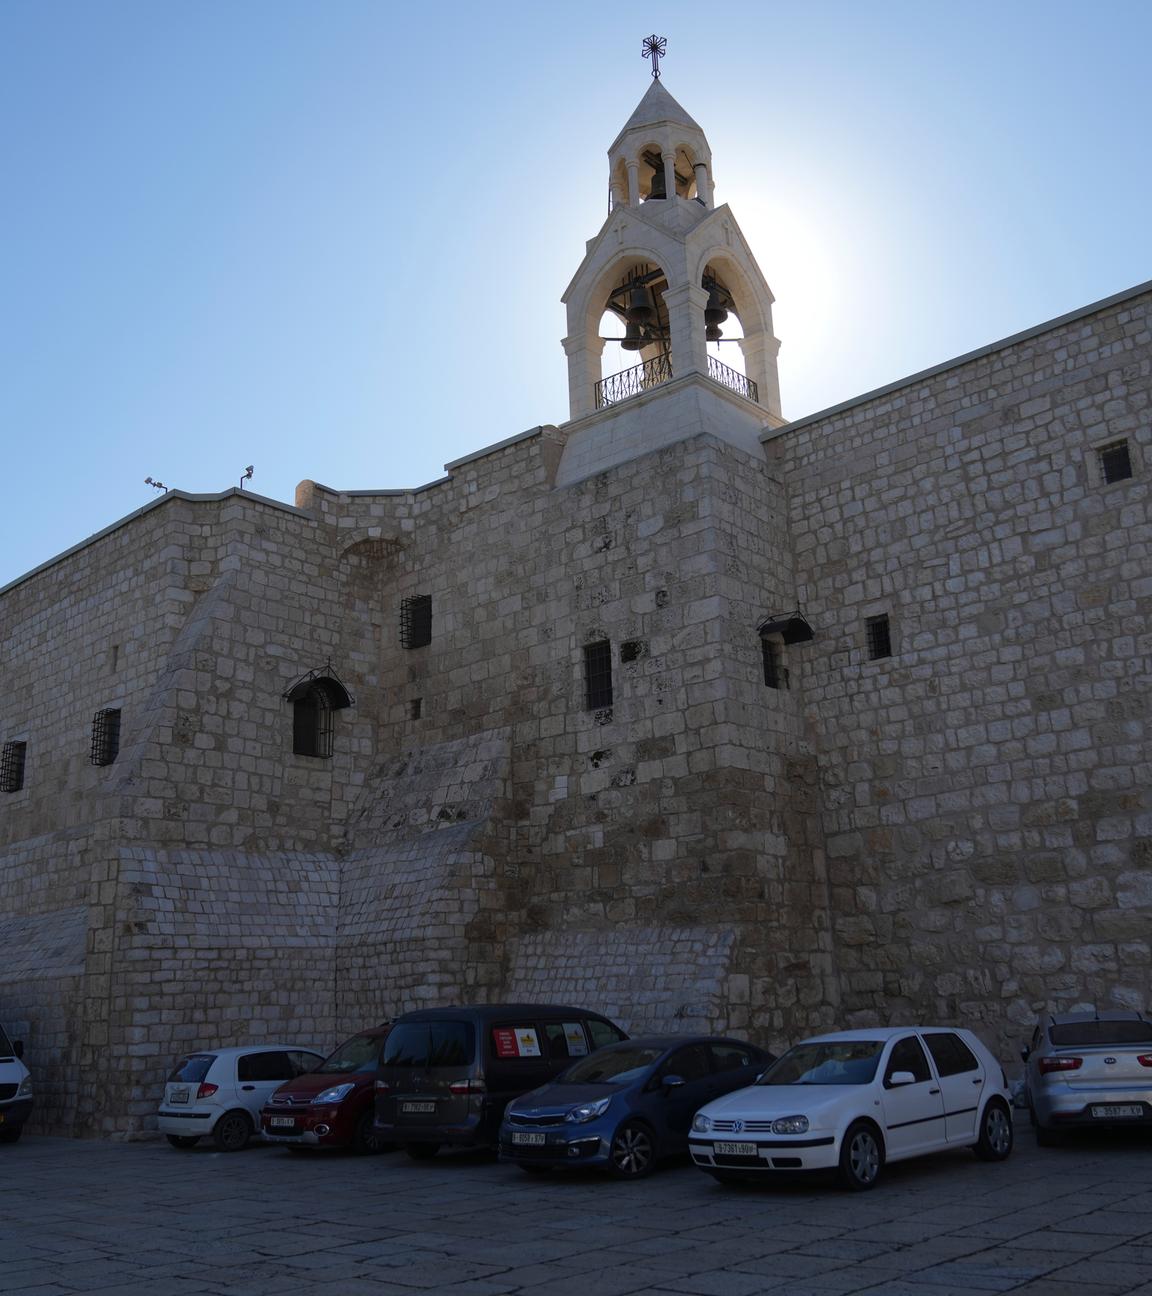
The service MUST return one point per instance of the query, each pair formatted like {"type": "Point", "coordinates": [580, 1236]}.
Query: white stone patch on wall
{"type": "Point", "coordinates": [43, 945]}
{"type": "Point", "coordinates": [647, 979]}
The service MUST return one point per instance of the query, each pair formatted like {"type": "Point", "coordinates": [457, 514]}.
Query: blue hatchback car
{"type": "Point", "coordinates": [627, 1106]}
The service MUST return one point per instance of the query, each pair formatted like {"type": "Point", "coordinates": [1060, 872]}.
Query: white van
{"type": "Point", "coordinates": [15, 1089]}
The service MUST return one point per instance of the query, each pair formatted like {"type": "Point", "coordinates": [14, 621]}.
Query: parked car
{"type": "Point", "coordinates": [15, 1089]}
{"type": "Point", "coordinates": [852, 1101]}
{"type": "Point", "coordinates": [447, 1074]}
{"type": "Point", "coordinates": [627, 1106]}
{"type": "Point", "coordinates": [219, 1092]}
{"type": "Point", "coordinates": [1088, 1069]}
{"type": "Point", "coordinates": [332, 1105]}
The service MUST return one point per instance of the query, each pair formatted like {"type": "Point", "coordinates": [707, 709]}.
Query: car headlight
{"type": "Point", "coordinates": [701, 1123]}
{"type": "Point", "coordinates": [334, 1095]}
{"type": "Point", "coordinates": [588, 1111]}
{"type": "Point", "coordinates": [25, 1090]}
{"type": "Point", "coordinates": [790, 1125]}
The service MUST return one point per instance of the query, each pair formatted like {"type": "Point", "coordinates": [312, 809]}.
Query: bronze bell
{"type": "Point", "coordinates": [715, 312]}
{"type": "Point", "coordinates": [713, 332]}
{"type": "Point", "coordinates": [632, 341]}
{"type": "Point", "coordinates": [657, 190]}
{"type": "Point", "coordinates": [640, 310]}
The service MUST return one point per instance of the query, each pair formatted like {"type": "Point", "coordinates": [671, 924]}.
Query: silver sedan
{"type": "Point", "coordinates": [1088, 1069]}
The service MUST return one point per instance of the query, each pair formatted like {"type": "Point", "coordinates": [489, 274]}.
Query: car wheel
{"type": "Point", "coordinates": [861, 1156]}
{"type": "Point", "coordinates": [232, 1132]}
{"type": "Point", "coordinates": [365, 1141]}
{"type": "Point", "coordinates": [633, 1152]}
{"type": "Point", "coordinates": [996, 1133]}
{"type": "Point", "coordinates": [11, 1134]}
{"type": "Point", "coordinates": [183, 1140]}
{"type": "Point", "coordinates": [421, 1151]}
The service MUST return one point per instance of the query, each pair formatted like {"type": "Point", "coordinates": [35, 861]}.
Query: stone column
{"type": "Point", "coordinates": [633, 184]}
{"type": "Point", "coordinates": [760, 351]}
{"type": "Point", "coordinates": [685, 305]}
{"type": "Point", "coordinates": [669, 174]}
{"type": "Point", "coordinates": [583, 373]}
{"type": "Point", "coordinates": [703, 185]}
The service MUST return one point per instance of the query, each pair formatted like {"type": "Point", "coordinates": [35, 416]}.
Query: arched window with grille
{"type": "Point", "coordinates": [315, 700]}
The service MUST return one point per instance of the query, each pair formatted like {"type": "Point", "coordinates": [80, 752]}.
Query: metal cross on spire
{"type": "Point", "coordinates": [654, 47]}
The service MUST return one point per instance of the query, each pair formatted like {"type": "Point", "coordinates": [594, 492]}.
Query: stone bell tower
{"type": "Point", "coordinates": [674, 274]}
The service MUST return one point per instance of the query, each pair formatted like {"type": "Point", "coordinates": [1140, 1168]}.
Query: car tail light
{"type": "Point", "coordinates": [1145, 1059]}
{"type": "Point", "coordinates": [206, 1090]}
{"type": "Point", "coordinates": [467, 1087]}
{"type": "Point", "coordinates": [382, 1086]}
{"type": "Point", "coordinates": [1060, 1064]}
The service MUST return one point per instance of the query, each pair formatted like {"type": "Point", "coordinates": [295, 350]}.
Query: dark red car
{"type": "Point", "coordinates": [330, 1107]}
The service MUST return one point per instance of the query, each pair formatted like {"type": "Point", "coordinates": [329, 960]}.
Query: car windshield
{"type": "Point", "coordinates": [360, 1053]}
{"type": "Point", "coordinates": [840, 1062]}
{"type": "Point", "coordinates": [1085, 1034]}
{"type": "Point", "coordinates": [612, 1066]}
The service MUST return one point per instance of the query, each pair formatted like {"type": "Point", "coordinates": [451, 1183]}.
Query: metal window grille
{"type": "Point", "coordinates": [105, 736]}
{"type": "Point", "coordinates": [1115, 462]}
{"type": "Point", "coordinates": [416, 621]}
{"type": "Point", "coordinates": [12, 766]}
{"type": "Point", "coordinates": [879, 637]}
{"type": "Point", "coordinates": [312, 728]}
{"type": "Point", "coordinates": [775, 672]}
{"type": "Point", "coordinates": [598, 675]}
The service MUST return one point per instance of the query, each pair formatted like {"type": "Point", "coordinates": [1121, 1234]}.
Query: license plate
{"type": "Point", "coordinates": [1116, 1113]}
{"type": "Point", "coordinates": [735, 1149]}
{"type": "Point", "coordinates": [418, 1107]}
{"type": "Point", "coordinates": [528, 1140]}
{"type": "Point", "coordinates": [283, 1122]}
{"type": "Point", "coordinates": [179, 1095]}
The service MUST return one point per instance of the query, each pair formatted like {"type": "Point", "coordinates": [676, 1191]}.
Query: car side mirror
{"type": "Point", "coordinates": [1025, 1053]}
{"type": "Point", "coordinates": [671, 1082]}
{"type": "Point", "coordinates": [18, 1048]}
{"type": "Point", "coordinates": [898, 1078]}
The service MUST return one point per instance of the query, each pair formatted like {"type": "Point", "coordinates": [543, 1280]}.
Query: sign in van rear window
{"type": "Point", "coordinates": [574, 1038]}
{"type": "Point", "coordinates": [516, 1041]}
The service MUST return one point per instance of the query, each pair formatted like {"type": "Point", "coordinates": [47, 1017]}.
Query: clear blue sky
{"type": "Point", "coordinates": [329, 237]}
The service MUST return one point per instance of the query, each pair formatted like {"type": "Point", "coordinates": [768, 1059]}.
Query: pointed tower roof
{"type": "Point", "coordinates": [656, 106]}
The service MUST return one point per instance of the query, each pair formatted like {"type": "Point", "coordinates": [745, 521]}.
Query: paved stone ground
{"type": "Point", "coordinates": [146, 1220]}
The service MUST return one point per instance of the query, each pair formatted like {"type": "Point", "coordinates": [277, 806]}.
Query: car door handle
{"type": "Point", "coordinates": [247, 1087]}
{"type": "Point", "coordinates": [978, 1080]}
{"type": "Point", "coordinates": [932, 1091]}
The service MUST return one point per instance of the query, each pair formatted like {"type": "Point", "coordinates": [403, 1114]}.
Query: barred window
{"type": "Point", "coordinates": [105, 736]}
{"type": "Point", "coordinates": [312, 730]}
{"type": "Point", "coordinates": [775, 672]}
{"type": "Point", "coordinates": [12, 766]}
{"type": "Point", "coordinates": [1115, 462]}
{"type": "Point", "coordinates": [879, 637]}
{"type": "Point", "coordinates": [416, 621]}
{"type": "Point", "coordinates": [598, 675]}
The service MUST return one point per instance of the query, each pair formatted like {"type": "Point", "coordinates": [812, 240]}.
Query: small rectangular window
{"type": "Point", "coordinates": [105, 736]}
{"type": "Point", "coordinates": [415, 708]}
{"type": "Point", "coordinates": [598, 675]}
{"type": "Point", "coordinates": [12, 766]}
{"type": "Point", "coordinates": [879, 637]}
{"type": "Point", "coordinates": [1115, 462]}
{"type": "Point", "coordinates": [416, 621]}
{"type": "Point", "coordinates": [775, 672]}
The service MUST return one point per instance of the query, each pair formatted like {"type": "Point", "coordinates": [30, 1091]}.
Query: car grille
{"type": "Point", "coordinates": [289, 1100]}
{"type": "Point", "coordinates": [746, 1127]}
{"type": "Point", "coordinates": [7, 1091]}
{"type": "Point", "coordinates": [516, 1119]}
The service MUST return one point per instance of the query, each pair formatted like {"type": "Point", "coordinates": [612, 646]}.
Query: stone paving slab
{"type": "Point", "coordinates": [127, 1219]}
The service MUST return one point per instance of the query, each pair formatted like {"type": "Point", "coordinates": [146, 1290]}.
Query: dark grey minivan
{"type": "Point", "coordinates": [446, 1074]}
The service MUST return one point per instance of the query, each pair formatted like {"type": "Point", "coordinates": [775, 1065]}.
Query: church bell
{"type": "Point", "coordinates": [632, 341]}
{"type": "Point", "coordinates": [715, 314]}
{"type": "Point", "coordinates": [657, 190]}
{"type": "Point", "coordinates": [640, 309]}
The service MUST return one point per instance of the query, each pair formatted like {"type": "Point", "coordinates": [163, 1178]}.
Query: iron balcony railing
{"type": "Point", "coordinates": [631, 382]}
{"type": "Point", "coordinates": [732, 380]}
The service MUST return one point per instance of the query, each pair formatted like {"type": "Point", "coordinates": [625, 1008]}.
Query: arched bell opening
{"type": "Point", "coordinates": [723, 327]}
{"type": "Point", "coordinates": [634, 325]}
{"type": "Point", "coordinates": [653, 174]}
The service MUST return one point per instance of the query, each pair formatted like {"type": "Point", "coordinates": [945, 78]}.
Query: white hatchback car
{"type": "Point", "coordinates": [852, 1101]}
{"type": "Point", "coordinates": [219, 1092]}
